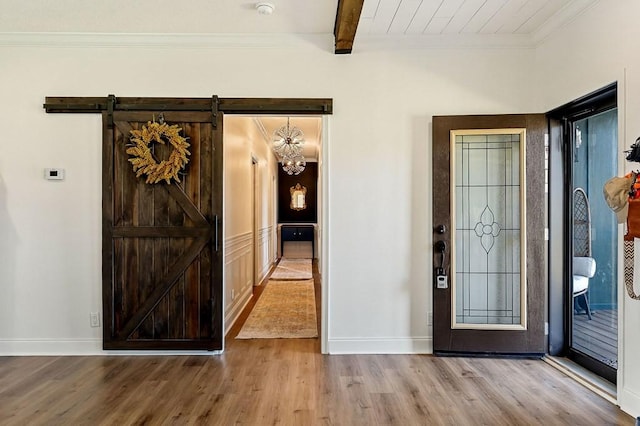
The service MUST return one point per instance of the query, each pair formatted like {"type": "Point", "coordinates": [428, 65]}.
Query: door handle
{"type": "Point", "coordinates": [440, 247]}
{"type": "Point", "coordinates": [440, 274]}
{"type": "Point", "coordinates": [440, 229]}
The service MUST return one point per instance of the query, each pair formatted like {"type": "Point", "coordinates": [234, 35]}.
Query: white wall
{"type": "Point", "coordinates": [242, 143]}
{"type": "Point", "coordinates": [598, 48]}
{"type": "Point", "coordinates": [378, 166]}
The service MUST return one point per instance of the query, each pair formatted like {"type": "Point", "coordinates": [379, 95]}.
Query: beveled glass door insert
{"type": "Point", "coordinates": [488, 255]}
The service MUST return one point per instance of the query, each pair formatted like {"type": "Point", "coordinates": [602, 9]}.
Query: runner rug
{"type": "Point", "coordinates": [286, 310]}
{"type": "Point", "coordinates": [292, 269]}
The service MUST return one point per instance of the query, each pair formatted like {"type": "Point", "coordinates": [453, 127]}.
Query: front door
{"type": "Point", "coordinates": [162, 269]}
{"type": "Point", "coordinates": [488, 216]}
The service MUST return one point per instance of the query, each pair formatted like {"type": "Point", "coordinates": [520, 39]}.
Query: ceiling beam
{"type": "Point", "coordinates": [347, 18]}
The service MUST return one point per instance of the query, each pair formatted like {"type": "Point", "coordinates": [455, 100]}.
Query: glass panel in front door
{"type": "Point", "coordinates": [488, 285]}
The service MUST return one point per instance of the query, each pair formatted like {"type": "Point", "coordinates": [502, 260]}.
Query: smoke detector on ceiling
{"type": "Point", "coordinates": [265, 8]}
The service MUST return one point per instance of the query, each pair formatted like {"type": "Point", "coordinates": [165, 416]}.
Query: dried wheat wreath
{"type": "Point", "coordinates": [144, 163]}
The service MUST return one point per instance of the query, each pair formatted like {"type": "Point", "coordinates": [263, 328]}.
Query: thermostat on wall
{"type": "Point", "coordinates": [54, 174]}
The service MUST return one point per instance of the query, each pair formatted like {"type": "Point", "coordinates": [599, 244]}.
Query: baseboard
{"type": "Point", "coordinates": [408, 345]}
{"type": "Point", "coordinates": [50, 347]}
{"type": "Point", "coordinates": [629, 403]}
{"type": "Point", "coordinates": [270, 269]}
{"type": "Point", "coordinates": [232, 316]}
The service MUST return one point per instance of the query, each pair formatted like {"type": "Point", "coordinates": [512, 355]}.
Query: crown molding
{"type": "Point", "coordinates": [267, 140]}
{"type": "Point", "coordinates": [157, 40]}
{"type": "Point", "coordinates": [261, 129]}
{"type": "Point", "coordinates": [442, 41]}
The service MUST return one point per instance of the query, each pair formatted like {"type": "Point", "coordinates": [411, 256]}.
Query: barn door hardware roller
{"type": "Point", "coordinates": [214, 111]}
{"type": "Point", "coordinates": [111, 105]}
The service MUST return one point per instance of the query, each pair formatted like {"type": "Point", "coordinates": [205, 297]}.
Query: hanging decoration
{"type": "Point", "coordinates": [622, 196]}
{"type": "Point", "coordinates": [295, 165]}
{"type": "Point", "coordinates": [287, 145]}
{"type": "Point", "coordinates": [143, 160]}
{"type": "Point", "coordinates": [633, 154]}
{"type": "Point", "coordinates": [288, 141]}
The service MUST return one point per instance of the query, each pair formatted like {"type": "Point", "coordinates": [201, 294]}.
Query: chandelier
{"type": "Point", "coordinates": [295, 165]}
{"type": "Point", "coordinates": [287, 145]}
{"type": "Point", "coordinates": [288, 141]}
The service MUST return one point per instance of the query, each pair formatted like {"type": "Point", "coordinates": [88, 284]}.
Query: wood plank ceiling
{"type": "Point", "coordinates": [349, 20]}
{"type": "Point", "coordinates": [430, 17]}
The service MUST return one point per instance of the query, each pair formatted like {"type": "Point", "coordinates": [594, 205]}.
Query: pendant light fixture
{"type": "Point", "coordinates": [287, 145]}
{"type": "Point", "coordinates": [288, 141]}
{"type": "Point", "coordinates": [294, 166]}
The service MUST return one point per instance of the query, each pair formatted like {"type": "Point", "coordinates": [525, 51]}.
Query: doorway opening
{"type": "Point", "coordinates": [584, 236]}
{"type": "Point", "coordinates": [263, 203]}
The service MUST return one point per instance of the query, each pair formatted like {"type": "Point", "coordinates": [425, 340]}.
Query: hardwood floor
{"type": "Point", "coordinates": [288, 382]}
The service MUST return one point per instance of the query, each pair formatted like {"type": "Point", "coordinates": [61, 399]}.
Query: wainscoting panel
{"type": "Point", "coordinates": [266, 255]}
{"type": "Point", "coordinates": [238, 275]}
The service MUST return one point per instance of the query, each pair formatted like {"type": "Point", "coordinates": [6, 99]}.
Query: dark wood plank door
{"type": "Point", "coordinates": [487, 172]}
{"type": "Point", "coordinates": [162, 259]}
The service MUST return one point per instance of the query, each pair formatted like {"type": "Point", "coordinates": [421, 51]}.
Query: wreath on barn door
{"type": "Point", "coordinates": [143, 160]}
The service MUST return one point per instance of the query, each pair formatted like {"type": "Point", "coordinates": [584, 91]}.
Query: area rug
{"type": "Point", "coordinates": [285, 310]}
{"type": "Point", "coordinates": [292, 269]}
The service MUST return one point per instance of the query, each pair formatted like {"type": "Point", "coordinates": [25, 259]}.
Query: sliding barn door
{"type": "Point", "coordinates": [162, 270]}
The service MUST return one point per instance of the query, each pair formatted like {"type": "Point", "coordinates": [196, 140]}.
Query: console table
{"type": "Point", "coordinates": [298, 233]}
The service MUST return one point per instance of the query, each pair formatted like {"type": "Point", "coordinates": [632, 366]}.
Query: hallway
{"type": "Point", "coordinates": [258, 290]}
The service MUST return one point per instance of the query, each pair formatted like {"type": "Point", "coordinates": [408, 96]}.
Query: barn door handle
{"type": "Point", "coordinates": [216, 232]}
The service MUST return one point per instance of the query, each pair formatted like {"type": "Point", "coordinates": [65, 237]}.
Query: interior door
{"type": "Point", "coordinates": [162, 269]}
{"type": "Point", "coordinates": [488, 216]}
